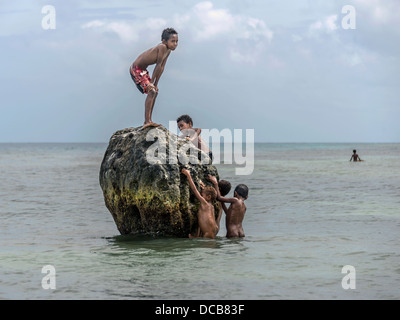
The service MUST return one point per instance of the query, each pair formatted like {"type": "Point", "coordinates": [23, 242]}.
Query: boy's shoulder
{"type": "Point", "coordinates": [161, 46]}
{"type": "Point", "coordinates": [242, 203]}
{"type": "Point", "coordinates": [157, 47]}
{"type": "Point", "coordinates": [239, 201]}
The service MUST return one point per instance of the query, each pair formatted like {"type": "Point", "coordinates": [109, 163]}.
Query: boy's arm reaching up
{"type": "Point", "coordinates": [196, 135]}
{"type": "Point", "coordinates": [219, 197]}
{"type": "Point", "coordinates": [192, 186]}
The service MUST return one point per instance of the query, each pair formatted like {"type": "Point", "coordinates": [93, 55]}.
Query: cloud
{"type": "Point", "coordinates": [247, 38]}
{"type": "Point", "coordinates": [128, 32]}
{"type": "Point", "coordinates": [123, 30]}
{"type": "Point", "coordinates": [211, 22]}
{"type": "Point", "coordinates": [354, 56]}
{"type": "Point", "coordinates": [330, 22]}
{"type": "Point", "coordinates": [324, 26]}
{"type": "Point", "coordinates": [208, 23]}
{"type": "Point", "coordinates": [93, 24]}
{"type": "Point", "coordinates": [380, 12]}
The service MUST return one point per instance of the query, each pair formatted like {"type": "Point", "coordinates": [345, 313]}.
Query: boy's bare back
{"type": "Point", "coordinates": [206, 213]}
{"type": "Point", "coordinates": [206, 220]}
{"type": "Point", "coordinates": [355, 156]}
{"type": "Point", "coordinates": [236, 211]}
{"type": "Point", "coordinates": [234, 219]}
{"type": "Point", "coordinates": [157, 54]}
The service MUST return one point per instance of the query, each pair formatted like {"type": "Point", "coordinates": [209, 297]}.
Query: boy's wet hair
{"type": "Point", "coordinates": [242, 190]}
{"type": "Point", "coordinates": [210, 191]}
{"type": "Point", "coordinates": [224, 187]}
{"type": "Point", "coordinates": [167, 33]}
{"type": "Point", "coordinates": [354, 151]}
{"type": "Point", "coordinates": [185, 118]}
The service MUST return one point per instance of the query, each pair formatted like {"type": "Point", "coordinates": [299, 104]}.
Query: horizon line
{"type": "Point", "coordinates": [259, 142]}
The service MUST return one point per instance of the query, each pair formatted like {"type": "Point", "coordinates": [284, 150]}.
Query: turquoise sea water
{"type": "Point", "coordinates": [310, 212]}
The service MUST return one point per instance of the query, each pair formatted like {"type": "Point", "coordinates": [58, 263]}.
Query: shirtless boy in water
{"type": "Point", "coordinates": [206, 214]}
{"type": "Point", "coordinates": [157, 55]}
{"type": "Point", "coordinates": [235, 212]}
{"type": "Point", "coordinates": [355, 156]}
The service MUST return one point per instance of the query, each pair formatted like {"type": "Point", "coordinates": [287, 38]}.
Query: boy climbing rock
{"type": "Point", "coordinates": [208, 227]}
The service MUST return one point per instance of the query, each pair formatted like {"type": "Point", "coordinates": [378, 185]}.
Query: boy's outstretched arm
{"type": "Point", "coordinates": [224, 207]}
{"type": "Point", "coordinates": [219, 197]}
{"type": "Point", "coordinates": [214, 181]}
{"type": "Point", "coordinates": [227, 200]}
{"type": "Point", "coordinates": [192, 186]}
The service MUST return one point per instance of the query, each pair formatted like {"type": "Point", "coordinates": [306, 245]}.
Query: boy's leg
{"type": "Point", "coordinates": [209, 235]}
{"type": "Point", "coordinates": [148, 111]}
{"type": "Point", "coordinates": [148, 107]}
{"type": "Point", "coordinates": [217, 222]}
{"type": "Point", "coordinates": [197, 235]}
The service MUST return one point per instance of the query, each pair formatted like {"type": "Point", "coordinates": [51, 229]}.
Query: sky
{"type": "Point", "coordinates": [292, 70]}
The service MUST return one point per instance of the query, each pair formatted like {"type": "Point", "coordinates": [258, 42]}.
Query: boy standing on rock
{"type": "Point", "coordinates": [157, 55]}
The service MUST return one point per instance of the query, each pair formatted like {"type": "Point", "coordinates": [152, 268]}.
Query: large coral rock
{"type": "Point", "coordinates": [142, 182]}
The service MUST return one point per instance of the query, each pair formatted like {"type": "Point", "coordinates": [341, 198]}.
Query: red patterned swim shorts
{"type": "Point", "coordinates": [140, 77]}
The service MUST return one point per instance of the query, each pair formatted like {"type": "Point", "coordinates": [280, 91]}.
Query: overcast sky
{"type": "Point", "coordinates": [287, 69]}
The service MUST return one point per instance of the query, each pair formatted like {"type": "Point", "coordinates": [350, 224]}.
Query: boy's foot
{"type": "Point", "coordinates": [150, 124]}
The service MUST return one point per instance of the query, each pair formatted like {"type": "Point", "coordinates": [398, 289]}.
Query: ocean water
{"type": "Point", "coordinates": [310, 213]}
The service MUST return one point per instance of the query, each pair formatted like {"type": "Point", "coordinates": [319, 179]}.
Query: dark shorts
{"type": "Point", "coordinates": [140, 77]}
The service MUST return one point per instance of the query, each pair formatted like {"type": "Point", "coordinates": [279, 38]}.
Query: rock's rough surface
{"type": "Point", "coordinates": [142, 182]}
